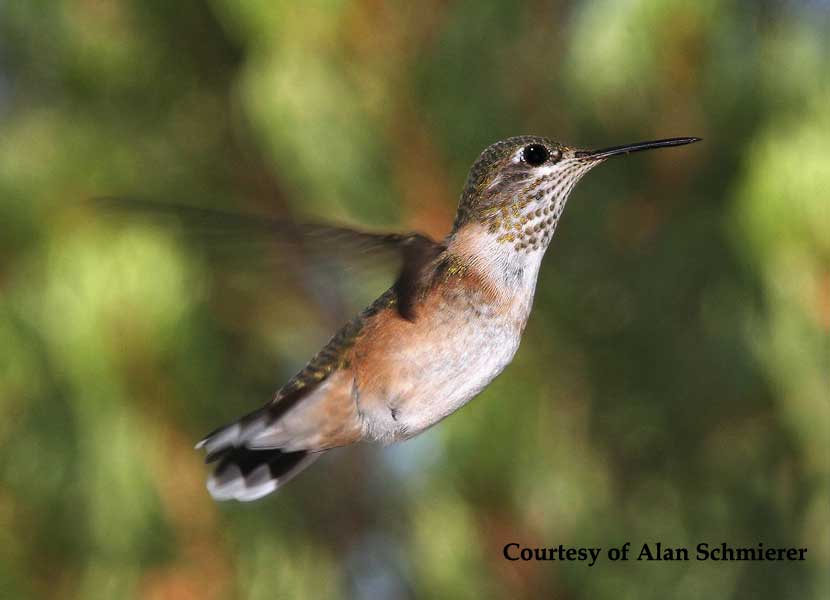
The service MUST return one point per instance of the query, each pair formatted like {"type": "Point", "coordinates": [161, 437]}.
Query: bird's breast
{"type": "Point", "coordinates": [410, 375]}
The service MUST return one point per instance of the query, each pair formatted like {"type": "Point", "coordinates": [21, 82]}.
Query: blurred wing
{"type": "Point", "coordinates": [251, 241]}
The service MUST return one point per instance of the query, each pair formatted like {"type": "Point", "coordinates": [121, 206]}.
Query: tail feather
{"type": "Point", "coordinates": [235, 434]}
{"type": "Point", "coordinates": [244, 474]}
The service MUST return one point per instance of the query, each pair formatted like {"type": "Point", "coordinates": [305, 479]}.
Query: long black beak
{"type": "Point", "coordinates": [638, 147]}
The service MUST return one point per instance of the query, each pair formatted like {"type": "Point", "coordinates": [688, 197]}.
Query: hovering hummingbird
{"type": "Point", "coordinates": [448, 326]}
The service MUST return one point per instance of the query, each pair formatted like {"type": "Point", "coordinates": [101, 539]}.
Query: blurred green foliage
{"type": "Point", "coordinates": [674, 381]}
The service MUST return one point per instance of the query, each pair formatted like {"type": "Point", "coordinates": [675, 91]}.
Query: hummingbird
{"type": "Point", "coordinates": [451, 322]}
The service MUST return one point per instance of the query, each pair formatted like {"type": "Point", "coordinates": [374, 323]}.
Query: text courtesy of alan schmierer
{"type": "Point", "coordinates": [656, 551]}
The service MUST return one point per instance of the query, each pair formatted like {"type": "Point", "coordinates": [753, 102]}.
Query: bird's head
{"type": "Point", "coordinates": [518, 187]}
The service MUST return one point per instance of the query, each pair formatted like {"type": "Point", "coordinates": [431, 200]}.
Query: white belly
{"type": "Point", "coordinates": [454, 371]}
{"type": "Point", "coordinates": [433, 380]}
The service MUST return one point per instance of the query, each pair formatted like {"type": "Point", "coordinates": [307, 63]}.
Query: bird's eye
{"type": "Point", "coordinates": [535, 155]}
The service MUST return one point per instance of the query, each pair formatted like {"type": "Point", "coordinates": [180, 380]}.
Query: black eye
{"type": "Point", "coordinates": [535, 155]}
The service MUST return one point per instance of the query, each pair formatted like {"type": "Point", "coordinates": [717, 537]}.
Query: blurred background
{"type": "Point", "coordinates": [674, 381]}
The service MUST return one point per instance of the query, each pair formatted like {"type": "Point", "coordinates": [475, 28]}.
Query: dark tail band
{"type": "Point", "coordinates": [244, 474]}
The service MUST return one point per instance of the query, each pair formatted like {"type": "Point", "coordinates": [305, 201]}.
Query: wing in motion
{"type": "Point", "coordinates": [234, 234]}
